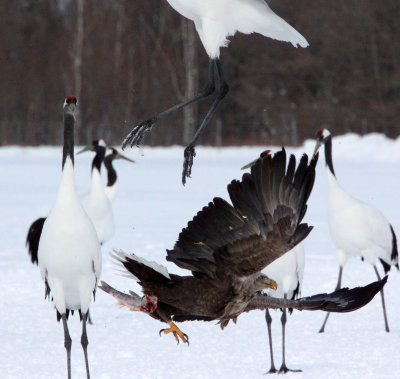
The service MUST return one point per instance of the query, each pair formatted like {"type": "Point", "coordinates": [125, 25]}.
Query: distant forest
{"type": "Point", "coordinates": [126, 60]}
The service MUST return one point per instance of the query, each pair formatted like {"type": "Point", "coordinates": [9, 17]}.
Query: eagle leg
{"type": "Point", "coordinates": [176, 332]}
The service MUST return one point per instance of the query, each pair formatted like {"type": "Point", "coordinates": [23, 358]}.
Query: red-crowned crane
{"type": "Point", "coordinates": [356, 228]}
{"type": "Point", "coordinates": [69, 251]}
{"type": "Point", "coordinates": [215, 21]}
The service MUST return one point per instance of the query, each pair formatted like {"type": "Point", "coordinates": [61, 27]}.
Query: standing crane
{"type": "Point", "coordinates": [69, 253]}
{"type": "Point", "coordinates": [357, 228]}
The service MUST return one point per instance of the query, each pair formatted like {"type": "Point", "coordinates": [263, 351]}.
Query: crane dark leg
{"type": "Point", "coordinates": [268, 318]}
{"type": "Point", "coordinates": [89, 319]}
{"type": "Point", "coordinates": [383, 302]}
{"type": "Point", "coordinates": [137, 134]}
{"type": "Point", "coordinates": [284, 369]}
{"type": "Point", "coordinates": [85, 343]}
{"type": "Point", "coordinates": [190, 153]}
{"type": "Point", "coordinates": [338, 286]}
{"type": "Point", "coordinates": [67, 343]}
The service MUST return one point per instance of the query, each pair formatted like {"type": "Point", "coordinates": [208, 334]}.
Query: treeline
{"type": "Point", "coordinates": [126, 60]}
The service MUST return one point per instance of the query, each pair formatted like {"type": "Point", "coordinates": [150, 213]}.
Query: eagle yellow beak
{"type": "Point", "coordinates": [269, 283]}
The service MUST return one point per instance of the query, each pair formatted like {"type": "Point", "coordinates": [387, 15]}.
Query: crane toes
{"type": "Point", "coordinates": [284, 369]}
{"type": "Point", "coordinates": [135, 137]}
{"type": "Point", "coordinates": [189, 154]}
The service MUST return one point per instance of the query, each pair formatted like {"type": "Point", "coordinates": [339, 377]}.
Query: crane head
{"type": "Point", "coordinates": [70, 105]}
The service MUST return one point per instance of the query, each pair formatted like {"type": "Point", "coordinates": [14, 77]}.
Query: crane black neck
{"type": "Point", "coordinates": [111, 173]}
{"type": "Point", "coordinates": [328, 154]}
{"type": "Point", "coordinates": [68, 147]}
{"type": "Point", "coordinates": [98, 158]}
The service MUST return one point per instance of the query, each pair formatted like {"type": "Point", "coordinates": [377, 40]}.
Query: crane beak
{"type": "Point", "coordinates": [120, 156]}
{"type": "Point", "coordinates": [70, 108]}
{"type": "Point", "coordinates": [87, 148]}
{"type": "Point", "coordinates": [317, 146]}
{"type": "Point", "coordinates": [252, 163]}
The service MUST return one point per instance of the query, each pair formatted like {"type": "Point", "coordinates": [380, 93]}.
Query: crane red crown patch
{"type": "Point", "coordinates": [71, 99]}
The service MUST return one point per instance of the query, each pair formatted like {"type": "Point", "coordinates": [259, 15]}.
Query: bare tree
{"type": "Point", "coordinates": [128, 60]}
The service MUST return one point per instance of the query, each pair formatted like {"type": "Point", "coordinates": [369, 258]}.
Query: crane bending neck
{"type": "Point", "coordinates": [111, 173]}
{"type": "Point", "coordinates": [98, 158]}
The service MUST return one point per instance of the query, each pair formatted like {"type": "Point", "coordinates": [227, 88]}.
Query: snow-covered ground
{"type": "Point", "coordinates": [150, 209]}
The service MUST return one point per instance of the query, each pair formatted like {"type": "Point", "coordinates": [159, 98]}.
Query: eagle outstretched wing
{"type": "Point", "coordinates": [260, 226]}
{"type": "Point", "coordinates": [340, 301]}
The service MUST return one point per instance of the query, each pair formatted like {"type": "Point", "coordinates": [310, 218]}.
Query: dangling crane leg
{"type": "Point", "coordinates": [190, 153]}
{"type": "Point", "coordinates": [137, 134]}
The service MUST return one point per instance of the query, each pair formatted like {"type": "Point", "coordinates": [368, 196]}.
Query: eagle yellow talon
{"type": "Point", "coordinates": [176, 332]}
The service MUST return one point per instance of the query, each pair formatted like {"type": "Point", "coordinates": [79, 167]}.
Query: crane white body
{"type": "Point", "coordinates": [69, 251]}
{"type": "Point", "coordinates": [111, 191]}
{"type": "Point", "coordinates": [357, 228]}
{"type": "Point", "coordinates": [216, 20]}
{"type": "Point", "coordinates": [287, 271]}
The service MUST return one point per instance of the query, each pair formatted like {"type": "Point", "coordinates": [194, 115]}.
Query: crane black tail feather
{"type": "Point", "coordinates": [33, 237]}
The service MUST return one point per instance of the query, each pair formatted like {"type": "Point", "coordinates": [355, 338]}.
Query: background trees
{"type": "Point", "coordinates": [129, 59]}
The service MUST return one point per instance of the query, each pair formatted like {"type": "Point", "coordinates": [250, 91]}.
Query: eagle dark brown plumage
{"type": "Point", "coordinates": [226, 247]}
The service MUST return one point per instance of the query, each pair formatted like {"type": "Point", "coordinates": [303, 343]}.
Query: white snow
{"type": "Point", "coordinates": [150, 209]}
